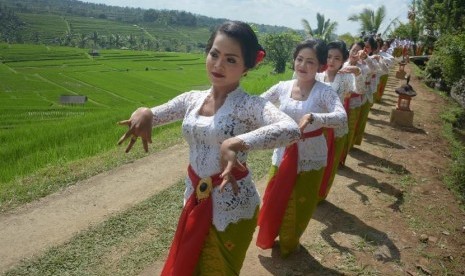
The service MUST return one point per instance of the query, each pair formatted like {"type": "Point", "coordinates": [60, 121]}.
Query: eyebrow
{"type": "Point", "coordinates": [227, 54]}
{"type": "Point", "coordinates": [308, 58]}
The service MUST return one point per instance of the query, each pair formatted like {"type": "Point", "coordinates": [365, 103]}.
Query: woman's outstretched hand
{"type": "Point", "coordinates": [140, 125]}
{"type": "Point", "coordinates": [228, 151]}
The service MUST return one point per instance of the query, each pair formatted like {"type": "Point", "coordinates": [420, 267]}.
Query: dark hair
{"type": "Point", "coordinates": [361, 44]}
{"type": "Point", "coordinates": [341, 46]}
{"type": "Point", "coordinates": [380, 42]}
{"type": "Point", "coordinates": [371, 40]}
{"type": "Point", "coordinates": [244, 35]}
{"type": "Point", "coordinates": [316, 44]}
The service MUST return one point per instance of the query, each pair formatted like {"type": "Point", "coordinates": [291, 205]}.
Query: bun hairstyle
{"type": "Point", "coordinates": [252, 51]}
{"type": "Point", "coordinates": [316, 44]}
{"type": "Point", "coordinates": [341, 46]}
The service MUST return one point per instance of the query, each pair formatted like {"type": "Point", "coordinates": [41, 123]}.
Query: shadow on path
{"type": "Point", "coordinates": [379, 112]}
{"type": "Point", "coordinates": [337, 220]}
{"type": "Point", "coordinates": [298, 263]}
{"type": "Point", "coordinates": [381, 141]}
{"type": "Point", "coordinates": [378, 123]}
{"type": "Point", "coordinates": [369, 181]}
{"type": "Point", "coordinates": [376, 163]}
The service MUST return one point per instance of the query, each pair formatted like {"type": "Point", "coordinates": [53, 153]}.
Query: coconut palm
{"type": "Point", "coordinates": [325, 28]}
{"type": "Point", "coordinates": [370, 20]}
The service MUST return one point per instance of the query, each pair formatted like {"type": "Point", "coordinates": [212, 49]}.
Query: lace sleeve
{"type": "Point", "coordinates": [336, 115]}
{"type": "Point", "coordinates": [360, 86]}
{"type": "Point", "coordinates": [273, 128]}
{"type": "Point", "coordinates": [272, 94]}
{"type": "Point", "coordinates": [348, 83]}
{"type": "Point", "coordinates": [371, 65]}
{"type": "Point", "coordinates": [383, 65]}
{"type": "Point", "coordinates": [174, 109]}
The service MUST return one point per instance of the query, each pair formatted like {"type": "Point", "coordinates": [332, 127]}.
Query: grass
{"type": "Point", "coordinates": [50, 145]}
{"type": "Point", "coordinates": [455, 179]}
{"type": "Point", "coordinates": [453, 117]}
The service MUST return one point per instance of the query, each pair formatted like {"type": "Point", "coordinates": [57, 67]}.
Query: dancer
{"type": "Point", "coordinates": [221, 125]}
{"type": "Point", "coordinates": [292, 192]}
{"type": "Point", "coordinates": [343, 83]}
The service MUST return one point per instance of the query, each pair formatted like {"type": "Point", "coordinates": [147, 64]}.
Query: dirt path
{"type": "Point", "coordinates": [389, 194]}
{"type": "Point", "coordinates": [55, 219]}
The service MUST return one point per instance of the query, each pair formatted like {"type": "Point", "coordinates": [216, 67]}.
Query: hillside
{"type": "Point", "coordinates": [81, 24]}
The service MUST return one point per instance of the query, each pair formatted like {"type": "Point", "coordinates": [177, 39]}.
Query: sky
{"type": "Point", "coordinates": [288, 13]}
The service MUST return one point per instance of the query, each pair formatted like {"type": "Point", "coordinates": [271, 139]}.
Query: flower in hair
{"type": "Point", "coordinates": [260, 56]}
{"type": "Point", "coordinates": [323, 68]}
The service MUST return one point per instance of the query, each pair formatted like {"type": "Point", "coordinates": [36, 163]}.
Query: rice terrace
{"type": "Point", "coordinates": [43, 134]}
{"type": "Point", "coordinates": [72, 202]}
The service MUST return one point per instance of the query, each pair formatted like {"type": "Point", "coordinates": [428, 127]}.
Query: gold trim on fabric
{"type": "Point", "coordinates": [204, 188]}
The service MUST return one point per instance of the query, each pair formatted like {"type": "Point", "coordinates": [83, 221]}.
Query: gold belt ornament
{"type": "Point", "coordinates": [204, 188]}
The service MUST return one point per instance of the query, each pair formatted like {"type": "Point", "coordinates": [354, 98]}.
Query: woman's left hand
{"type": "Point", "coordinates": [228, 151]}
{"type": "Point", "coordinates": [305, 121]}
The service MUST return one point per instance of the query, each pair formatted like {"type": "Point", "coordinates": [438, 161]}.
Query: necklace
{"type": "Point", "coordinates": [301, 93]}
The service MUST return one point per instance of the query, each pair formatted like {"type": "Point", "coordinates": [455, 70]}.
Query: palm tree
{"type": "Point", "coordinates": [370, 20]}
{"type": "Point", "coordinates": [325, 29]}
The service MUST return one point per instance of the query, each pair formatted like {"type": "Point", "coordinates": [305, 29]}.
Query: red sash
{"type": "Point", "coordinates": [277, 193]}
{"type": "Point", "coordinates": [193, 226]}
{"type": "Point", "coordinates": [347, 101]}
{"type": "Point", "coordinates": [329, 162]}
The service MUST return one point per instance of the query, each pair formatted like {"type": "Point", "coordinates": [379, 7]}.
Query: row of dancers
{"type": "Point", "coordinates": [311, 121]}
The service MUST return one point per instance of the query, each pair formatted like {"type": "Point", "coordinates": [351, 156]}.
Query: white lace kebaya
{"type": "Point", "coordinates": [252, 119]}
{"type": "Point", "coordinates": [327, 111]}
{"type": "Point", "coordinates": [342, 84]}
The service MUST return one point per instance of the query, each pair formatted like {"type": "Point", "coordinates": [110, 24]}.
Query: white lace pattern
{"type": "Point", "coordinates": [257, 122]}
{"type": "Point", "coordinates": [342, 84]}
{"type": "Point", "coordinates": [327, 111]}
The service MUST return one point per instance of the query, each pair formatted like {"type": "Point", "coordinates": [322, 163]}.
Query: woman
{"type": "Point", "coordinates": [292, 192]}
{"type": "Point", "coordinates": [343, 83]}
{"type": "Point", "coordinates": [388, 60]}
{"type": "Point", "coordinates": [220, 125]}
{"type": "Point", "coordinates": [357, 62]}
{"type": "Point", "coordinates": [376, 67]}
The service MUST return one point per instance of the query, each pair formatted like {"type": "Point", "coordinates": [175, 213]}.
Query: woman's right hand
{"type": "Point", "coordinates": [351, 69]}
{"type": "Point", "coordinates": [140, 125]}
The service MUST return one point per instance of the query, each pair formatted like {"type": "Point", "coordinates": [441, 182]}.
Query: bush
{"type": "Point", "coordinates": [450, 54]}
{"type": "Point", "coordinates": [433, 73]}
{"type": "Point", "coordinates": [458, 91]}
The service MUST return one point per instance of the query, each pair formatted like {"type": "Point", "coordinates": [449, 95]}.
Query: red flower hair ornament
{"type": "Point", "coordinates": [323, 68]}
{"type": "Point", "coordinates": [260, 56]}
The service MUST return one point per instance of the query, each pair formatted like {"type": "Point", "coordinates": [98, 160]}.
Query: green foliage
{"type": "Point", "coordinates": [458, 93]}
{"type": "Point", "coordinates": [10, 26]}
{"type": "Point", "coordinates": [85, 25]}
{"type": "Point", "coordinates": [433, 73]}
{"type": "Point", "coordinates": [348, 38]}
{"type": "Point", "coordinates": [325, 28]}
{"type": "Point", "coordinates": [369, 19]}
{"type": "Point", "coordinates": [450, 52]}
{"type": "Point", "coordinates": [280, 48]}
{"type": "Point", "coordinates": [454, 125]}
